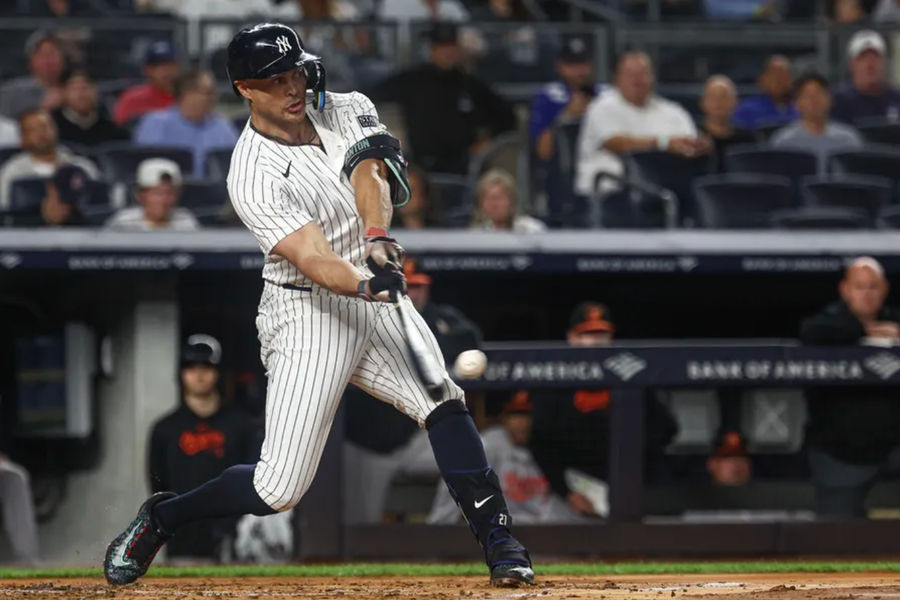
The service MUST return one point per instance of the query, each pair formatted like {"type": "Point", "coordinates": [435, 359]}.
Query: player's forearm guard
{"type": "Point", "coordinates": [386, 147]}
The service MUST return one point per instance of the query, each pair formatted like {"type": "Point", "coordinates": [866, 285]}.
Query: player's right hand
{"type": "Point", "coordinates": [385, 286]}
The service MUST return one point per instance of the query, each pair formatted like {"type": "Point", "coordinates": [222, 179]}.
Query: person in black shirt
{"type": "Point", "coordinates": [570, 428]}
{"type": "Point", "coordinates": [80, 119]}
{"type": "Point", "coordinates": [853, 433]}
{"type": "Point", "coordinates": [450, 115]}
{"type": "Point", "coordinates": [197, 441]}
{"type": "Point", "coordinates": [869, 95]}
{"type": "Point", "coordinates": [718, 104]}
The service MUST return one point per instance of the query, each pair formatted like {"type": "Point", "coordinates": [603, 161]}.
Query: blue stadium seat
{"type": "Point", "coordinates": [868, 194]}
{"type": "Point", "coordinates": [821, 217]}
{"type": "Point", "coordinates": [741, 201]}
{"type": "Point", "coordinates": [119, 161]}
{"type": "Point", "coordinates": [218, 163]}
{"type": "Point", "coordinates": [671, 172]}
{"type": "Point", "coordinates": [793, 164]}
{"type": "Point", "coordinates": [880, 131]}
{"type": "Point", "coordinates": [881, 162]}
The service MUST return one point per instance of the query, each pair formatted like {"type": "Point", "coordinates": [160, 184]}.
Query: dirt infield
{"type": "Point", "coordinates": [865, 586]}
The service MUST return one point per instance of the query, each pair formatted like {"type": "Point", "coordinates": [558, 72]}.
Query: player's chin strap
{"type": "Point", "coordinates": [385, 147]}
{"type": "Point", "coordinates": [315, 81]}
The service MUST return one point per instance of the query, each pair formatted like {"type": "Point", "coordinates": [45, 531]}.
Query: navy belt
{"type": "Point", "coordinates": [296, 288]}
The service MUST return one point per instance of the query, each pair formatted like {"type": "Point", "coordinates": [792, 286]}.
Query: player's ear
{"type": "Point", "coordinates": [242, 88]}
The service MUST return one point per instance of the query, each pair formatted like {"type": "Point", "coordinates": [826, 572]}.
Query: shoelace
{"type": "Point", "coordinates": [144, 545]}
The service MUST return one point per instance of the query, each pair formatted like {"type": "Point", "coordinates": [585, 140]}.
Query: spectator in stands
{"type": "Point", "coordinates": [81, 120]}
{"type": "Point", "coordinates": [631, 117]}
{"type": "Point", "coordinates": [528, 495]}
{"type": "Point", "coordinates": [199, 439]}
{"type": "Point", "coordinates": [718, 105]}
{"type": "Point", "coordinates": [848, 12]}
{"type": "Point", "coordinates": [496, 205]}
{"type": "Point", "coordinates": [160, 71]}
{"type": "Point", "coordinates": [43, 87]}
{"type": "Point", "coordinates": [814, 131]}
{"type": "Point", "coordinates": [742, 10]}
{"type": "Point", "coordinates": [773, 106]}
{"type": "Point", "coordinates": [417, 213]}
{"type": "Point", "coordinates": [571, 426]}
{"type": "Point", "coordinates": [506, 10]}
{"type": "Point", "coordinates": [566, 100]}
{"type": "Point", "coordinates": [853, 433]}
{"type": "Point", "coordinates": [191, 122]}
{"type": "Point", "coordinates": [470, 114]}
{"type": "Point", "coordinates": [868, 95]}
{"type": "Point", "coordinates": [41, 153]}
{"type": "Point", "coordinates": [66, 192]}
{"type": "Point", "coordinates": [729, 464]}
{"type": "Point", "coordinates": [158, 190]}
{"type": "Point", "coordinates": [886, 11]}
{"type": "Point", "coordinates": [62, 9]}
{"type": "Point", "coordinates": [422, 10]}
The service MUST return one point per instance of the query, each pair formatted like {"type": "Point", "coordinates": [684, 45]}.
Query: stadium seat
{"type": "Point", "coordinates": [206, 199]}
{"type": "Point", "coordinates": [889, 217]}
{"type": "Point", "coordinates": [741, 201]}
{"type": "Point", "coordinates": [820, 217]}
{"type": "Point", "coordinates": [563, 206]}
{"type": "Point", "coordinates": [880, 131]}
{"type": "Point", "coordinates": [671, 172]}
{"type": "Point", "coordinates": [631, 209]}
{"type": "Point", "coordinates": [868, 194]}
{"type": "Point", "coordinates": [26, 195]}
{"type": "Point", "coordinates": [217, 163]}
{"type": "Point", "coordinates": [793, 164]}
{"type": "Point", "coordinates": [453, 198]}
{"type": "Point", "coordinates": [119, 162]}
{"type": "Point", "coordinates": [881, 162]}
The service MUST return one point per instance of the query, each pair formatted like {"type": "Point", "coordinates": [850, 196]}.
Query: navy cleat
{"type": "Point", "coordinates": [129, 555]}
{"type": "Point", "coordinates": [509, 563]}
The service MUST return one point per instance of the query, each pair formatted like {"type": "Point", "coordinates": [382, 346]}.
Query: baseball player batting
{"type": "Point", "coordinates": [315, 177]}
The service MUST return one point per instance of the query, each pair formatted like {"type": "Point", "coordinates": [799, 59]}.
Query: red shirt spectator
{"type": "Point", "coordinates": [160, 70]}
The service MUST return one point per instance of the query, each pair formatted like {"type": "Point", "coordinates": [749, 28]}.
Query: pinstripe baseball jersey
{"type": "Point", "coordinates": [277, 188]}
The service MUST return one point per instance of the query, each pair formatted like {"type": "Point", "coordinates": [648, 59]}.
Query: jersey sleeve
{"type": "Point", "coordinates": [358, 119]}
{"type": "Point", "coordinates": [268, 207]}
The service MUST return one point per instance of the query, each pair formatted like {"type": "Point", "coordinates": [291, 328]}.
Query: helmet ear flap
{"type": "Point", "coordinates": [315, 81]}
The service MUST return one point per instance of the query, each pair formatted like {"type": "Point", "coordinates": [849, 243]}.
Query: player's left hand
{"type": "Point", "coordinates": [382, 252]}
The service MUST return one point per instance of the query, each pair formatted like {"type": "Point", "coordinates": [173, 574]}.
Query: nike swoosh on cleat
{"type": "Point", "coordinates": [118, 558]}
{"type": "Point", "coordinates": [480, 504]}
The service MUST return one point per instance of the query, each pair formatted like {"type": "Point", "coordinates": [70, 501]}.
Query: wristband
{"type": "Point", "coordinates": [376, 232]}
{"type": "Point", "coordinates": [361, 291]}
{"type": "Point", "coordinates": [662, 142]}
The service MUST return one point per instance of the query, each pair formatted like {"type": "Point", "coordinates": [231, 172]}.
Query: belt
{"type": "Point", "coordinates": [296, 288]}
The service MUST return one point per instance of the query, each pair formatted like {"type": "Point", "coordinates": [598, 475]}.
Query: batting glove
{"type": "Point", "coordinates": [382, 251]}
{"type": "Point", "coordinates": [383, 287]}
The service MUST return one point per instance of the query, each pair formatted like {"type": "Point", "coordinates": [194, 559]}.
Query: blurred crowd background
{"type": "Point", "coordinates": [523, 116]}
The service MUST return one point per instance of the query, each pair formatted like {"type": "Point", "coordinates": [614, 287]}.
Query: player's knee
{"type": "Point", "coordinates": [278, 490]}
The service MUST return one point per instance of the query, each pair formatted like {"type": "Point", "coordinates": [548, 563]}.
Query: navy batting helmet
{"type": "Point", "coordinates": [268, 49]}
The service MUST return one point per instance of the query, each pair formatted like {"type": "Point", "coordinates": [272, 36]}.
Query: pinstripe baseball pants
{"type": "Point", "coordinates": [313, 344]}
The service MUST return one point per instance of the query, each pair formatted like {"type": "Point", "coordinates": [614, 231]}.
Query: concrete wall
{"type": "Point", "coordinates": [100, 503]}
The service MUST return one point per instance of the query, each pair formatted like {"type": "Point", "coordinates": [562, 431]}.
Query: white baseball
{"type": "Point", "coordinates": [470, 364]}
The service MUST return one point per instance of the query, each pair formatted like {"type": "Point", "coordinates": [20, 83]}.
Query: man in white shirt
{"type": "Point", "coordinates": [158, 190]}
{"type": "Point", "coordinates": [628, 118]}
{"type": "Point", "coordinates": [41, 154]}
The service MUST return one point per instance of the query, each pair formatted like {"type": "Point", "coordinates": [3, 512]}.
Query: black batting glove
{"type": "Point", "coordinates": [383, 287]}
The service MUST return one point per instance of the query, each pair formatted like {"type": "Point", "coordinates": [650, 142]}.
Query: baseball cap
{"type": "Point", "coordinates": [160, 51]}
{"type": "Point", "coordinates": [443, 32]}
{"type": "Point", "coordinates": [576, 49]}
{"type": "Point", "coordinates": [34, 40]}
{"type": "Point", "coordinates": [519, 403]}
{"type": "Point", "coordinates": [864, 40]}
{"type": "Point", "coordinates": [153, 171]}
{"type": "Point", "coordinates": [72, 185]}
{"type": "Point", "coordinates": [201, 349]}
{"type": "Point", "coordinates": [414, 277]}
{"type": "Point", "coordinates": [590, 316]}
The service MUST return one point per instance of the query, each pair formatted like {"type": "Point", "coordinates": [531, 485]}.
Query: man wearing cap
{"type": "Point", "coordinates": [41, 153]}
{"type": "Point", "coordinates": [197, 441]}
{"type": "Point", "coordinates": [567, 99]}
{"type": "Point", "coordinates": [160, 71]}
{"type": "Point", "coordinates": [868, 94]}
{"type": "Point", "coordinates": [571, 426]}
{"type": "Point", "coordinates": [853, 433]}
{"type": "Point", "coordinates": [67, 191]}
{"type": "Point", "coordinates": [773, 106]}
{"type": "Point", "coordinates": [158, 190]}
{"type": "Point", "coordinates": [190, 122]}
{"type": "Point", "coordinates": [46, 63]}
{"type": "Point", "coordinates": [450, 115]}
{"type": "Point", "coordinates": [81, 120]}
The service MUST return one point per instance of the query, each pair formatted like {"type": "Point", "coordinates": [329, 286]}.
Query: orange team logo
{"type": "Point", "coordinates": [202, 439]}
{"type": "Point", "coordinates": [590, 400]}
{"type": "Point", "coordinates": [521, 489]}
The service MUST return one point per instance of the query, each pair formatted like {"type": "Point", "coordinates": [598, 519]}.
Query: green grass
{"type": "Point", "coordinates": [422, 570]}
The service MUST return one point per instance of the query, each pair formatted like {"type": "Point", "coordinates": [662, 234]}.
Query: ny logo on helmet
{"type": "Point", "coordinates": [283, 43]}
